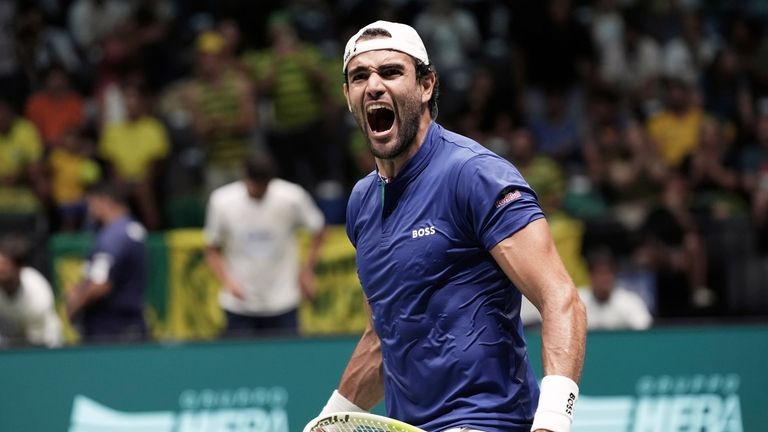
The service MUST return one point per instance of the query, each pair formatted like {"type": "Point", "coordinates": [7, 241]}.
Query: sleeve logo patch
{"type": "Point", "coordinates": [508, 198]}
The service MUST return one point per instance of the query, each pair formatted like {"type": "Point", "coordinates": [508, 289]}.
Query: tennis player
{"type": "Point", "coordinates": [448, 237]}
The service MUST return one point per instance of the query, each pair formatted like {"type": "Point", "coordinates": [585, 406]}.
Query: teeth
{"type": "Point", "coordinates": [375, 107]}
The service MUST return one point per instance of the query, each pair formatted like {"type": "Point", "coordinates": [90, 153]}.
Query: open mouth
{"type": "Point", "coordinates": [380, 118]}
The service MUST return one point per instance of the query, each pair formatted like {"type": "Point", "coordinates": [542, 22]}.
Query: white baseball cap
{"type": "Point", "coordinates": [404, 39]}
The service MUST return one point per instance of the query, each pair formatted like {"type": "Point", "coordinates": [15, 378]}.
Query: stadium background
{"type": "Point", "coordinates": [560, 74]}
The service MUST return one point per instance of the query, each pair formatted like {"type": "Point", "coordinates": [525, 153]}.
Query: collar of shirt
{"type": "Point", "coordinates": [392, 188]}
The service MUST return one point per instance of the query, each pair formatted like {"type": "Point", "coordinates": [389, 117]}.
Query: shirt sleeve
{"type": "Point", "coordinates": [353, 209]}
{"type": "Point", "coordinates": [309, 215]}
{"type": "Point", "coordinates": [100, 266]}
{"type": "Point", "coordinates": [214, 223]}
{"type": "Point", "coordinates": [102, 260]}
{"type": "Point", "coordinates": [495, 199]}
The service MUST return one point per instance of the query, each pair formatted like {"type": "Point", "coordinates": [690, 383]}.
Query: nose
{"type": "Point", "coordinates": [375, 87]}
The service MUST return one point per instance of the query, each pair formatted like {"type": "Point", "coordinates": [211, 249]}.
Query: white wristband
{"type": "Point", "coordinates": [556, 403]}
{"type": "Point", "coordinates": [338, 403]}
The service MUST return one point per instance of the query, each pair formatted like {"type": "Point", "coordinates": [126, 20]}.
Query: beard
{"type": "Point", "coordinates": [407, 128]}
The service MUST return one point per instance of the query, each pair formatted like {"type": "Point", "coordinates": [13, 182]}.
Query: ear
{"type": "Point", "coordinates": [345, 87]}
{"type": "Point", "coordinates": [428, 86]}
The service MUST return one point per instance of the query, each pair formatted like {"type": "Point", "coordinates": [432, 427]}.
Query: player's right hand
{"type": "Point", "coordinates": [308, 284]}
{"type": "Point", "coordinates": [235, 289]}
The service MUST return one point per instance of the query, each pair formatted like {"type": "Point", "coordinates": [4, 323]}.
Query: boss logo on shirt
{"type": "Point", "coordinates": [421, 232]}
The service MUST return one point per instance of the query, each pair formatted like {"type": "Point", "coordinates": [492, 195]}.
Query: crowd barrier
{"type": "Point", "coordinates": [702, 379]}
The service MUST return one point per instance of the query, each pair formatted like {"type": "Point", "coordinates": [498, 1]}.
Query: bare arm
{"type": "Point", "coordinates": [362, 382]}
{"type": "Point", "coordinates": [530, 260]}
{"type": "Point", "coordinates": [307, 275]}
{"type": "Point", "coordinates": [318, 239]}
{"type": "Point", "coordinates": [85, 294]}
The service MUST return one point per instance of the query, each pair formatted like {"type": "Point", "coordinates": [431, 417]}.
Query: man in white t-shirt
{"type": "Point", "coordinates": [610, 307]}
{"type": "Point", "coordinates": [250, 230]}
{"type": "Point", "coordinates": [27, 314]}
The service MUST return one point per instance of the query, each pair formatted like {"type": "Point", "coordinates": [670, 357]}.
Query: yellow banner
{"type": "Point", "coordinates": [338, 306]}
{"type": "Point", "coordinates": [193, 307]}
{"type": "Point", "coordinates": [69, 270]}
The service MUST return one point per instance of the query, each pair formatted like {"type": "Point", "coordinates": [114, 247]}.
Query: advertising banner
{"type": "Point", "coordinates": [703, 379]}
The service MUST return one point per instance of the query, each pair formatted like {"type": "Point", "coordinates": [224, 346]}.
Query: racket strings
{"type": "Point", "coordinates": [358, 425]}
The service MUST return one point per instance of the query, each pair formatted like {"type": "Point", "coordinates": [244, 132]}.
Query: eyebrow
{"type": "Point", "coordinates": [398, 66]}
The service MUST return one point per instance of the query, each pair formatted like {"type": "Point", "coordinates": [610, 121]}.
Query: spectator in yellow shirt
{"type": "Point", "coordinates": [23, 186]}
{"type": "Point", "coordinates": [133, 150]}
{"type": "Point", "coordinates": [675, 130]}
{"type": "Point", "coordinates": [72, 168]}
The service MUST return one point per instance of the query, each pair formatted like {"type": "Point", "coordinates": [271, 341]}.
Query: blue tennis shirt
{"type": "Point", "coordinates": [447, 316]}
{"type": "Point", "coordinates": [121, 311]}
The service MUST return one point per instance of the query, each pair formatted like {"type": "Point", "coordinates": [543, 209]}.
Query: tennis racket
{"type": "Point", "coordinates": [357, 422]}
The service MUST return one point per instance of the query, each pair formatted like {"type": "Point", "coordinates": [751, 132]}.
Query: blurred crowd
{"type": "Point", "coordinates": [641, 124]}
